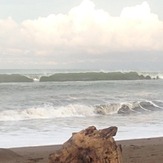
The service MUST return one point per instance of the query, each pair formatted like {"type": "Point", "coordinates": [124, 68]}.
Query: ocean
{"type": "Point", "coordinates": [44, 107]}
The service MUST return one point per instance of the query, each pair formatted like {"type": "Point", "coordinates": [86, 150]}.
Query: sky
{"type": "Point", "coordinates": [81, 34]}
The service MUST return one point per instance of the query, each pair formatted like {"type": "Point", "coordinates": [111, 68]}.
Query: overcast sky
{"type": "Point", "coordinates": [82, 34]}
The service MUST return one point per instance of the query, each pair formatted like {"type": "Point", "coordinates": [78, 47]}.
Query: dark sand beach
{"type": "Point", "coordinates": [149, 150]}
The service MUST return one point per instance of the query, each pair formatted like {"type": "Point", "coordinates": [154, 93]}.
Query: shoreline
{"type": "Point", "coordinates": [145, 150]}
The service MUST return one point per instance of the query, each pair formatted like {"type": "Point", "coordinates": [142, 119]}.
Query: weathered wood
{"type": "Point", "coordinates": [89, 146]}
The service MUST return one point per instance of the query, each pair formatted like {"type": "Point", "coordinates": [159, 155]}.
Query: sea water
{"type": "Point", "coordinates": [45, 113]}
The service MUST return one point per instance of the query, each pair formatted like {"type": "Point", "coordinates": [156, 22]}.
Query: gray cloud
{"type": "Point", "coordinates": [84, 36]}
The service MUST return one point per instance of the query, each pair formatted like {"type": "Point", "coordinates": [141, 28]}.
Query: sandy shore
{"type": "Point", "coordinates": [134, 151]}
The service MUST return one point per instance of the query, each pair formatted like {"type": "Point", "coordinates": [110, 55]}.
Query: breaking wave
{"type": "Point", "coordinates": [51, 112]}
{"type": "Point", "coordinates": [129, 108]}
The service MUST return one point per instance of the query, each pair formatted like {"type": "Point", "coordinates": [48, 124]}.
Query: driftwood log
{"type": "Point", "coordinates": [89, 146]}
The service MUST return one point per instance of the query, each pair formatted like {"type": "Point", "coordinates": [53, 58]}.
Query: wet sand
{"type": "Point", "coordinates": [149, 150]}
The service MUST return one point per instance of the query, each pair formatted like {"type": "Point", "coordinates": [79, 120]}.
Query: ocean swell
{"type": "Point", "coordinates": [94, 76]}
{"type": "Point", "coordinates": [5, 78]}
{"type": "Point", "coordinates": [77, 76]}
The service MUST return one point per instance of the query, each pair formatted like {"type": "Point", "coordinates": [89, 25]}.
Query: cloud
{"type": "Point", "coordinates": [89, 29]}
{"type": "Point", "coordinates": [83, 30]}
{"type": "Point", "coordinates": [138, 12]}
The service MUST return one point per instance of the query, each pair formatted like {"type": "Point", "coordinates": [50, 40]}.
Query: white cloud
{"type": "Point", "coordinates": [84, 29]}
{"type": "Point", "coordinates": [138, 12]}
{"type": "Point", "coordinates": [93, 30]}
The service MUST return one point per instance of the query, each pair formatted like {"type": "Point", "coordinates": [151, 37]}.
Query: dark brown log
{"type": "Point", "coordinates": [89, 146]}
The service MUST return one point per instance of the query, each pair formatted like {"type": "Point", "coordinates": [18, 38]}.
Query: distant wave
{"type": "Point", "coordinates": [78, 110]}
{"type": "Point", "coordinates": [5, 78]}
{"type": "Point", "coordinates": [94, 76]}
{"type": "Point", "coordinates": [78, 76]}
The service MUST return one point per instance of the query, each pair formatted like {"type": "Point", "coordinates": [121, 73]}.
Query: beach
{"type": "Point", "coordinates": [148, 150]}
